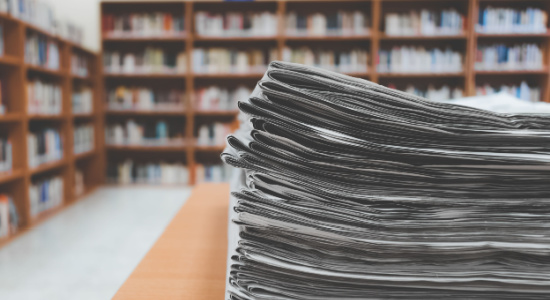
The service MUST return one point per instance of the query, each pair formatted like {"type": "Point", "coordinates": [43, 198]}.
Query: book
{"type": "Point", "coordinates": [224, 60]}
{"type": "Point", "coordinates": [45, 194]}
{"type": "Point", "coordinates": [83, 138]}
{"type": "Point", "coordinates": [213, 134]}
{"type": "Point", "coordinates": [216, 98]}
{"type": "Point", "coordinates": [212, 173]}
{"type": "Point", "coordinates": [79, 65]}
{"type": "Point", "coordinates": [444, 92]}
{"type": "Point", "coordinates": [129, 172]}
{"type": "Point", "coordinates": [139, 98]}
{"type": "Point", "coordinates": [143, 134]}
{"type": "Point", "coordinates": [43, 98]}
{"type": "Point", "coordinates": [153, 24]}
{"type": "Point", "coordinates": [338, 23]}
{"type": "Point", "coordinates": [6, 155]}
{"type": "Point", "coordinates": [502, 57]}
{"type": "Point", "coordinates": [353, 60]}
{"type": "Point", "coordinates": [523, 91]}
{"type": "Point", "coordinates": [236, 24]}
{"type": "Point", "coordinates": [425, 22]}
{"type": "Point", "coordinates": [150, 61]}
{"type": "Point", "coordinates": [82, 102]}
{"type": "Point", "coordinates": [502, 20]}
{"type": "Point", "coordinates": [417, 59]}
{"type": "Point", "coordinates": [41, 51]}
{"type": "Point", "coordinates": [44, 146]}
{"type": "Point", "coordinates": [9, 216]}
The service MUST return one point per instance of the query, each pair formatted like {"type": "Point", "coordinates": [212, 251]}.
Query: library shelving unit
{"type": "Point", "coordinates": [16, 123]}
{"type": "Point", "coordinates": [375, 40]}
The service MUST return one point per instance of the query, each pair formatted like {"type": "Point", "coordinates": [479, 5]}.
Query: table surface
{"type": "Point", "coordinates": [189, 260]}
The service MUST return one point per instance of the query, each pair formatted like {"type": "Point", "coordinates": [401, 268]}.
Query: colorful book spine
{"type": "Point", "coordinates": [41, 51]}
{"type": "Point", "coordinates": [140, 134]}
{"type": "Point", "coordinates": [215, 98]}
{"type": "Point", "coordinates": [145, 99]}
{"type": "Point", "coordinates": [150, 61]}
{"type": "Point", "coordinates": [339, 23]}
{"type": "Point", "coordinates": [44, 146]}
{"type": "Point", "coordinates": [143, 25]}
{"type": "Point", "coordinates": [354, 60]}
{"type": "Point", "coordinates": [238, 24]}
{"type": "Point", "coordinates": [213, 134]}
{"type": "Point", "coordinates": [500, 57]}
{"type": "Point", "coordinates": [501, 20]}
{"type": "Point", "coordinates": [417, 59]}
{"type": "Point", "coordinates": [45, 195]}
{"type": "Point", "coordinates": [43, 98]}
{"type": "Point", "coordinates": [82, 102]}
{"type": "Point", "coordinates": [425, 22]}
{"type": "Point", "coordinates": [128, 172]}
{"type": "Point", "coordinates": [521, 91]}
{"type": "Point", "coordinates": [222, 60]}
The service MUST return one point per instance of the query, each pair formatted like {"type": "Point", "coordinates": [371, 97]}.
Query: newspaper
{"type": "Point", "coordinates": [346, 189]}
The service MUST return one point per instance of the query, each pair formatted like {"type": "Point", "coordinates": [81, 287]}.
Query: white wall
{"type": "Point", "coordinates": [85, 13]}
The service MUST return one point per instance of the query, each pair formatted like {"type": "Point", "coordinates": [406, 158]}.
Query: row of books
{"type": "Point", "coordinates": [143, 24]}
{"type": "Point", "coordinates": [151, 60]}
{"type": "Point", "coordinates": [512, 20]}
{"type": "Point", "coordinates": [353, 60]}
{"type": "Point", "coordinates": [223, 60]}
{"type": "Point", "coordinates": [82, 101]}
{"type": "Point", "coordinates": [505, 57]}
{"type": "Point", "coordinates": [522, 91]}
{"type": "Point", "coordinates": [83, 138]}
{"type": "Point", "coordinates": [1, 40]}
{"type": "Point", "coordinates": [44, 98]}
{"type": "Point", "coordinates": [145, 99]}
{"type": "Point", "coordinates": [41, 51]}
{"type": "Point", "coordinates": [45, 194]}
{"type": "Point", "coordinates": [44, 146]}
{"type": "Point", "coordinates": [444, 92]}
{"type": "Point", "coordinates": [6, 155]}
{"type": "Point", "coordinates": [128, 172]}
{"type": "Point", "coordinates": [425, 22]}
{"type": "Point", "coordinates": [213, 134]}
{"type": "Point", "coordinates": [236, 24]}
{"type": "Point", "coordinates": [41, 14]}
{"type": "Point", "coordinates": [9, 217]}
{"type": "Point", "coordinates": [220, 98]}
{"type": "Point", "coordinates": [3, 107]}
{"type": "Point", "coordinates": [417, 59]}
{"type": "Point", "coordinates": [79, 65]}
{"type": "Point", "coordinates": [79, 185]}
{"type": "Point", "coordinates": [146, 134]}
{"type": "Point", "coordinates": [339, 23]}
{"type": "Point", "coordinates": [213, 173]}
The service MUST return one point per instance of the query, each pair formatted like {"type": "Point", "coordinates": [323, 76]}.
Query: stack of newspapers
{"type": "Point", "coordinates": [350, 190]}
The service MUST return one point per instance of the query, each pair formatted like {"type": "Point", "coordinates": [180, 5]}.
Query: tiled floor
{"type": "Point", "coordinates": [89, 249]}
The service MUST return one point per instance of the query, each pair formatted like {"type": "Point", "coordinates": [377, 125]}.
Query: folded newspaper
{"type": "Point", "coordinates": [350, 190]}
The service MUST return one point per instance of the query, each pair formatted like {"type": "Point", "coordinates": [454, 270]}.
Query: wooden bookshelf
{"type": "Point", "coordinates": [375, 40]}
{"type": "Point", "coordinates": [17, 122]}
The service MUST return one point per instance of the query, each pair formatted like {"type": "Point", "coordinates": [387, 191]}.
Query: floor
{"type": "Point", "coordinates": [89, 249]}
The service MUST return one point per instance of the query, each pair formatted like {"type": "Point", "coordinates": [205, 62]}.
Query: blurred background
{"type": "Point", "coordinates": [111, 111]}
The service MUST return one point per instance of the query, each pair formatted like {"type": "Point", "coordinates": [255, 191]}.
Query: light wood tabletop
{"type": "Point", "coordinates": [189, 260]}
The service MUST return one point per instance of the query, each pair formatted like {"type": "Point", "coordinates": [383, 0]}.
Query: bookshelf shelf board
{"type": "Point", "coordinates": [228, 75]}
{"type": "Point", "coordinates": [83, 116]}
{"type": "Point", "coordinates": [11, 117]}
{"type": "Point", "coordinates": [202, 38]}
{"type": "Point", "coordinates": [216, 113]}
{"type": "Point", "coordinates": [78, 156]}
{"type": "Point", "coordinates": [146, 76]}
{"type": "Point", "coordinates": [512, 35]}
{"type": "Point", "coordinates": [152, 113]}
{"type": "Point", "coordinates": [11, 175]}
{"type": "Point", "coordinates": [42, 70]}
{"type": "Point", "coordinates": [10, 60]}
{"type": "Point", "coordinates": [42, 31]}
{"type": "Point", "coordinates": [422, 37]}
{"type": "Point", "coordinates": [513, 72]}
{"type": "Point", "coordinates": [146, 39]}
{"type": "Point", "coordinates": [427, 75]}
{"type": "Point", "coordinates": [143, 148]}
{"type": "Point", "coordinates": [328, 38]}
{"type": "Point", "coordinates": [48, 166]}
{"type": "Point", "coordinates": [46, 117]}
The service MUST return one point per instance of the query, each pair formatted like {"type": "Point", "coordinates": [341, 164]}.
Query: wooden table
{"type": "Point", "coordinates": [188, 261]}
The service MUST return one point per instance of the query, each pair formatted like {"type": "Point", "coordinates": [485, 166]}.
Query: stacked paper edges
{"type": "Point", "coordinates": [350, 190]}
